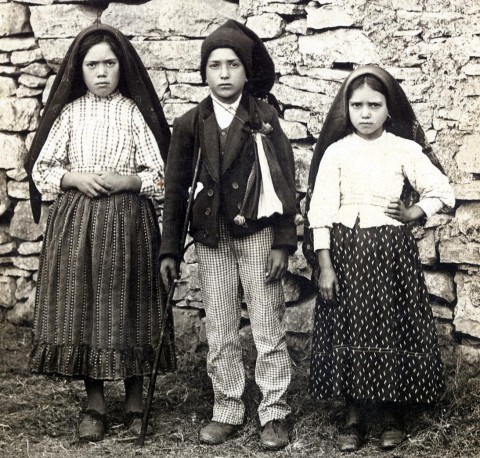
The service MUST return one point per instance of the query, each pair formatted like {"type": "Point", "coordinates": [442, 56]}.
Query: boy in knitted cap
{"type": "Point", "coordinates": [242, 223]}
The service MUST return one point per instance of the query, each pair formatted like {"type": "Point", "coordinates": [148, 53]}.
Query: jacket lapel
{"type": "Point", "coordinates": [236, 134]}
{"type": "Point", "coordinates": [209, 139]}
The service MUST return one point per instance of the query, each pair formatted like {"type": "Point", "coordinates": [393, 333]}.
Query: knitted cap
{"type": "Point", "coordinates": [228, 35]}
{"type": "Point", "coordinates": [259, 66]}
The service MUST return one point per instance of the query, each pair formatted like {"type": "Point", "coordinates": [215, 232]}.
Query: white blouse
{"type": "Point", "coordinates": [359, 178]}
{"type": "Point", "coordinates": [99, 134]}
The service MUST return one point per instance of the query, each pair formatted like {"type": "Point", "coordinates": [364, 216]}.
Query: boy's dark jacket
{"type": "Point", "coordinates": [225, 189]}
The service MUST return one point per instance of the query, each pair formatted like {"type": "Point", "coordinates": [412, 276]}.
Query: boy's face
{"type": "Point", "coordinates": [101, 70]}
{"type": "Point", "coordinates": [225, 74]}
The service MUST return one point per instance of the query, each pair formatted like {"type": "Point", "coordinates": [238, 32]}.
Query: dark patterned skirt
{"type": "Point", "coordinates": [379, 342]}
{"type": "Point", "coordinates": [100, 301]}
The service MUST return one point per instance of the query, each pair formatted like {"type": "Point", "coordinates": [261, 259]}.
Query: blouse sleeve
{"type": "Point", "coordinates": [52, 162]}
{"type": "Point", "coordinates": [325, 199]}
{"type": "Point", "coordinates": [149, 162]}
{"type": "Point", "coordinates": [432, 185]}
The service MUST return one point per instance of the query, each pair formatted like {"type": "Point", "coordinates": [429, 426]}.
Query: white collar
{"type": "Point", "coordinates": [225, 112]}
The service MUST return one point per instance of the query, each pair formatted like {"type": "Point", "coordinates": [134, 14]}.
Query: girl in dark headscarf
{"type": "Point", "coordinates": [101, 146]}
{"type": "Point", "coordinates": [374, 337]}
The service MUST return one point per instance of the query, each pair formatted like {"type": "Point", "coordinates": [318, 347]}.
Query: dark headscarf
{"type": "Point", "coordinates": [138, 87]}
{"type": "Point", "coordinates": [258, 64]}
{"type": "Point", "coordinates": [402, 123]}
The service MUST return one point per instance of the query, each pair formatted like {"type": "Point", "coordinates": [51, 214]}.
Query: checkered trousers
{"type": "Point", "coordinates": [242, 261]}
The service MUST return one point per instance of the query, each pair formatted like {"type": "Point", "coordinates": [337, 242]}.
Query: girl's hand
{"type": "Point", "coordinates": [276, 265]}
{"type": "Point", "coordinates": [119, 183]}
{"type": "Point", "coordinates": [397, 210]}
{"type": "Point", "coordinates": [90, 184]}
{"type": "Point", "coordinates": [328, 284]}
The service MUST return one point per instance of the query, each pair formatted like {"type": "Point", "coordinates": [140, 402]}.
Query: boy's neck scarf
{"type": "Point", "coordinates": [138, 87]}
{"type": "Point", "coordinates": [403, 123]}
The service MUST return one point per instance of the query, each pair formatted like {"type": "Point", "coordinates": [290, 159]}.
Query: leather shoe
{"type": "Point", "coordinates": [274, 435]}
{"type": "Point", "coordinates": [392, 436]}
{"type": "Point", "coordinates": [216, 433]}
{"type": "Point", "coordinates": [350, 438]}
{"type": "Point", "coordinates": [92, 427]}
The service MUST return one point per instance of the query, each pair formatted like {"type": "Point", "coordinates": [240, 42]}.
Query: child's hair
{"type": "Point", "coordinates": [89, 42]}
{"type": "Point", "coordinates": [373, 83]}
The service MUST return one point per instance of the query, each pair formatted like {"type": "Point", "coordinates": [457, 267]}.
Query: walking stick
{"type": "Point", "coordinates": [168, 306]}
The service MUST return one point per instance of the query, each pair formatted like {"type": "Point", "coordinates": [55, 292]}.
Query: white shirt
{"type": "Point", "coordinates": [224, 112]}
{"type": "Point", "coordinates": [359, 178]}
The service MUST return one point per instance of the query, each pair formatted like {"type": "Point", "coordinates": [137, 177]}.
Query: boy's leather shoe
{"type": "Point", "coordinates": [392, 436]}
{"type": "Point", "coordinates": [350, 438]}
{"type": "Point", "coordinates": [274, 435]}
{"type": "Point", "coordinates": [216, 433]}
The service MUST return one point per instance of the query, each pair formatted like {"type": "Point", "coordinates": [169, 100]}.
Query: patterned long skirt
{"type": "Point", "coordinates": [378, 342]}
{"type": "Point", "coordinates": [100, 302]}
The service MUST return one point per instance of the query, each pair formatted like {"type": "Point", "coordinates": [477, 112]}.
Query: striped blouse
{"type": "Point", "coordinates": [99, 134]}
{"type": "Point", "coordinates": [359, 178]}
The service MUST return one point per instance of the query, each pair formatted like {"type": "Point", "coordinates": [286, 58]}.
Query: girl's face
{"type": "Point", "coordinates": [225, 74]}
{"type": "Point", "coordinates": [368, 111]}
{"type": "Point", "coordinates": [101, 70]}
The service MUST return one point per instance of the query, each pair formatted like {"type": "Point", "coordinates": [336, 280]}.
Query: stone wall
{"type": "Point", "coordinates": [431, 46]}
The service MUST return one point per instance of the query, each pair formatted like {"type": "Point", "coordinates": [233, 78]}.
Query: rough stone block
{"type": "Point", "coordinates": [18, 190]}
{"type": "Point", "coordinates": [37, 69]}
{"type": "Point", "coordinates": [46, 24]}
{"type": "Point", "coordinates": [187, 328]}
{"type": "Point", "coordinates": [26, 262]}
{"type": "Point", "coordinates": [19, 114]}
{"type": "Point", "coordinates": [22, 313]}
{"type": "Point", "coordinates": [467, 217]}
{"type": "Point", "coordinates": [175, 110]}
{"type": "Point", "coordinates": [28, 248]}
{"type": "Point", "coordinates": [337, 46]}
{"type": "Point", "coordinates": [294, 130]}
{"type": "Point", "coordinates": [328, 17]}
{"type": "Point", "coordinates": [303, 158]}
{"type": "Point", "coordinates": [7, 248]}
{"type": "Point", "coordinates": [4, 200]}
{"type": "Point", "coordinates": [157, 18]}
{"type": "Point", "coordinates": [32, 81]}
{"type": "Point", "coordinates": [457, 250]}
{"type": "Point", "coordinates": [26, 57]}
{"type": "Point", "coordinates": [159, 80]}
{"type": "Point", "coordinates": [189, 93]}
{"type": "Point", "coordinates": [298, 318]}
{"type": "Point", "coordinates": [467, 310]}
{"type": "Point", "coordinates": [8, 87]}
{"type": "Point", "coordinates": [426, 248]}
{"type": "Point", "coordinates": [24, 288]}
{"type": "Point", "coordinates": [291, 97]}
{"type": "Point", "coordinates": [10, 44]}
{"type": "Point", "coordinates": [22, 225]}
{"type": "Point", "coordinates": [7, 291]}
{"type": "Point", "coordinates": [13, 19]}
{"type": "Point", "coordinates": [54, 50]}
{"type": "Point", "coordinates": [468, 158]}
{"type": "Point", "coordinates": [25, 92]}
{"type": "Point", "coordinates": [467, 191]}
{"type": "Point", "coordinates": [440, 284]}
{"type": "Point", "coordinates": [267, 25]}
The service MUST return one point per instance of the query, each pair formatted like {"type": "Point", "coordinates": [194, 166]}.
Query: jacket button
{"type": "Point", "coordinates": [205, 234]}
{"type": "Point", "coordinates": [210, 192]}
{"type": "Point", "coordinates": [223, 133]}
{"type": "Point", "coordinates": [208, 212]}
{"type": "Point", "coordinates": [235, 185]}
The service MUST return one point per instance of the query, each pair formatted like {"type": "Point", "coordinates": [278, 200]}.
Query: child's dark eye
{"type": "Point", "coordinates": [235, 64]}
{"type": "Point", "coordinates": [355, 105]}
{"type": "Point", "coordinates": [90, 65]}
{"type": "Point", "coordinates": [213, 66]}
{"type": "Point", "coordinates": [111, 63]}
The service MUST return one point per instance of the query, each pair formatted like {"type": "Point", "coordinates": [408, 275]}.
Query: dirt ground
{"type": "Point", "coordinates": [39, 416]}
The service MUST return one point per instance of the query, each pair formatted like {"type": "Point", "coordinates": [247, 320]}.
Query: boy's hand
{"type": "Point", "coordinates": [276, 265]}
{"type": "Point", "coordinates": [168, 271]}
{"type": "Point", "coordinates": [328, 284]}
{"type": "Point", "coordinates": [90, 184]}
{"type": "Point", "coordinates": [397, 210]}
{"type": "Point", "coordinates": [119, 183]}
